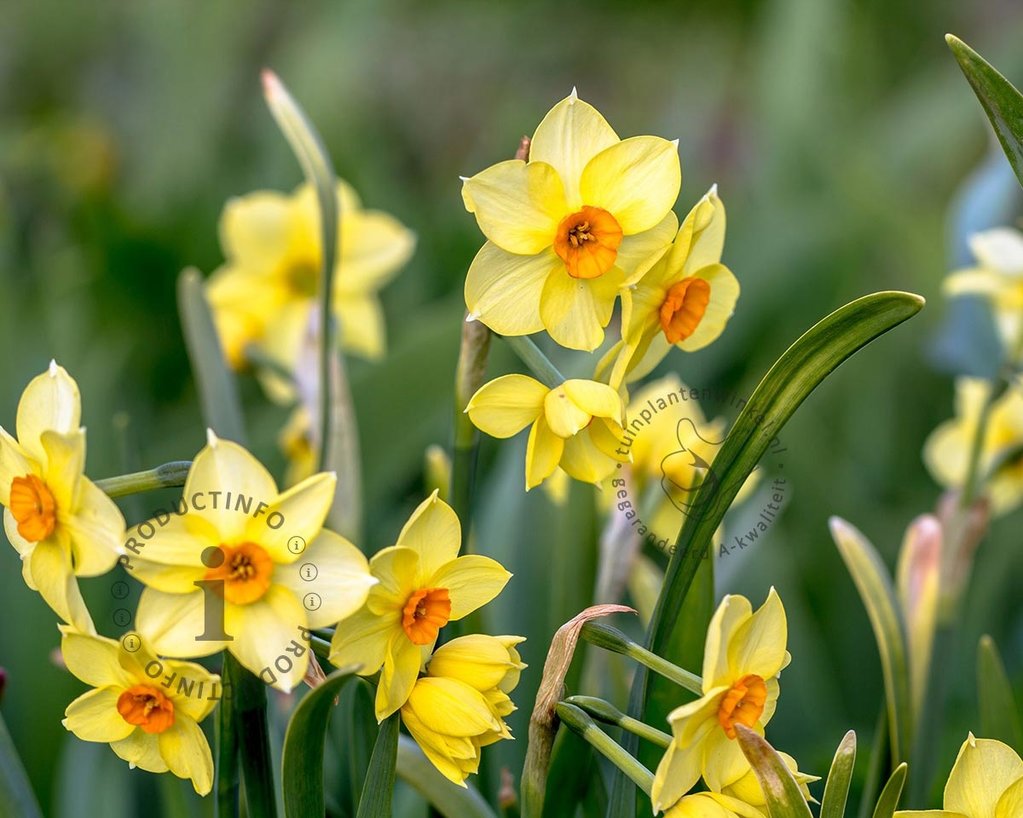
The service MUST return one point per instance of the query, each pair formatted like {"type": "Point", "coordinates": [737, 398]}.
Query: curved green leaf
{"type": "Point", "coordinates": [302, 759]}
{"type": "Point", "coordinates": [448, 799]}
{"type": "Point", "coordinates": [16, 797]}
{"type": "Point", "coordinates": [999, 98]}
{"type": "Point", "coordinates": [892, 792]}
{"type": "Point", "coordinates": [836, 789]}
{"type": "Point", "coordinates": [999, 716]}
{"type": "Point", "coordinates": [784, 798]}
{"type": "Point", "coordinates": [875, 586]}
{"type": "Point", "coordinates": [817, 353]}
{"type": "Point", "coordinates": [379, 787]}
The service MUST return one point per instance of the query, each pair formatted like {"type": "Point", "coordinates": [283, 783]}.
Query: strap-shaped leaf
{"type": "Point", "coordinates": [999, 716]}
{"type": "Point", "coordinates": [836, 789]}
{"type": "Point", "coordinates": [784, 798]}
{"type": "Point", "coordinates": [892, 792]}
{"type": "Point", "coordinates": [379, 787]}
{"type": "Point", "coordinates": [16, 796]}
{"type": "Point", "coordinates": [302, 760]}
{"type": "Point", "coordinates": [999, 98]}
{"type": "Point", "coordinates": [875, 587]}
{"type": "Point", "coordinates": [448, 799]}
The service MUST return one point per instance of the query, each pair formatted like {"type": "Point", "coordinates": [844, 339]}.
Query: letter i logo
{"type": "Point", "coordinates": [213, 599]}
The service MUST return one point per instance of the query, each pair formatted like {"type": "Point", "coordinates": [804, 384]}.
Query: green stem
{"type": "Point", "coordinates": [247, 696]}
{"type": "Point", "coordinates": [169, 475]}
{"type": "Point", "coordinates": [609, 714]}
{"type": "Point", "coordinates": [586, 728]}
{"type": "Point", "coordinates": [226, 745]}
{"type": "Point", "coordinates": [604, 636]}
{"type": "Point", "coordinates": [532, 356]}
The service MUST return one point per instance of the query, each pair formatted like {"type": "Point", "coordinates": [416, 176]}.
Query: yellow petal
{"type": "Point", "coordinates": [362, 639]}
{"type": "Point", "coordinates": [193, 689]}
{"type": "Point", "coordinates": [692, 722]}
{"type": "Point", "coordinates": [976, 281]}
{"type": "Point", "coordinates": [507, 405]}
{"type": "Point", "coordinates": [454, 758]}
{"type": "Point", "coordinates": [503, 290]}
{"type": "Point", "coordinates": [562, 414]}
{"type": "Point", "coordinates": [267, 637]}
{"type": "Point", "coordinates": [257, 230]}
{"type": "Point", "coordinates": [472, 581]}
{"type": "Point", "coordinates": [434, 532]}
{"type": "Point", "coordinates": [451, 707]}
{"type": "Point", "coordinates": [712, 805]}
{"type": "Point", "coordinates": [96, 529]}
{"type": "Point", "coordinates": [724, 292]}
{"type": "Point", "coordinates": [984, 769]}
{"type": "Point", "coordinates": [398, 572]}
{"type": "Point", "coordinates": [595, 399]}
{"type": "Point", "coordinates": [141, 749]}
{"type": "Point", "coordinates": [64, 464]}
{"type": "Point", "coordinates": [947, 452]}
{"type": "Point", "coordinates": [335, 571]}
{"type": "Point", "coordinates": [482, 662]}
{"type": "Point", "coordinates": [570, 135]}
{"type": "Point", "coordinates": [170, 557]}
{"type": "Point", "coordinates": [584, 460]}
{"type": "Point", "coordinates": [928, 813]}
{"type": "Point", "coordinates": [639, 252]}
{"type": "Point", "coordinates": [295, 517]}
{"type": "Point", "coordinates": [706, 226]}
{"type": "Point", "coordinates": [171, 623]}
{"type": "Point", "coordinates": [1010, 805]}
{"type": "Point", "coordinates": [401, 668]}
{"type": "Point", "coordinates": [55, 581]}
{"type": "Point", "coordinates": [731, 613]}
{"type": "Point", "coordinates": [677, 773]}
{"type": "Point", "coordinates": [14, 462]}
{"type": "Point", "coordinates": [518, 206]}
{"type": "Point", "coordinates": [374, 246]}
{"type": "Point", "coordinates": [94, 660]}
{"type": "Point", "coordinates": [1000, 249]}
{"type": "Point", "coordinates": [187, 753]}
{"type": "Point", "coordinates": [93, 716]}
{"type": "Point", "coordinates": [543, 453]}
{"type": "Point", "coordinates": [637, 181]}
{"type": "Point", "coordinates": [576, 310]}
{"type": "Point", "coordinates": [723, 760]}
{"type": "Point", "coordinates": [362, 325]}
{"type": "Point", "coordinates": [50, 402]}
{"type": "Point", "coordinates": [758, 644]}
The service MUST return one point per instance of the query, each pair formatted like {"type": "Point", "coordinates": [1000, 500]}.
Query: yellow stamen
{"type": "Point", "coordinates": [246, 572]}
{"type": "Point", "coordinates": [588, 242]}
{"type": "Point", "coordinates": [684, 308]}
{"type": "Point", "coordinates": [33, 507]}
{"type": "Point", "coordinates": [146, 707]}
{"type": "Point", "coordinates": [425, 613]}
{"type": "Point", "coordinates": [743, 704]}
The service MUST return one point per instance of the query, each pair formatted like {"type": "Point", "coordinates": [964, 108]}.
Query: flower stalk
{"type": "Point", "coordinates": [532, 356]}
{"type": "Point", "coordinates": [469, 377]}
{"type": "Point", "coordinates": [168, 475]}
{"type": "Point", "coordinates": [609, 714]}
{"type": "Point", "coordinates": [615, 641]}
{"type": "Point", "coordinates": [580, 723]}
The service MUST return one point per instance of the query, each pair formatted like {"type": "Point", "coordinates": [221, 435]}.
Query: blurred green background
{"type": "Point", "coordinates": [846, 146]}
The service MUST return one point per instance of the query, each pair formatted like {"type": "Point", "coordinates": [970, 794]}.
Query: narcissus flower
{"type": "Point", "coordinates": [58, 520]}
{"type": "Point", "coordinates": [986, 782]}
{"type": "Point", "coordinates": [266, 290]}
{"type": "Point", "coordinates": [243, 567]}
{"type": "Point", "coordinates": [947, 451]}
{"type": "Point", "coordinates": [146, 708]}
{"type": "Point", "coordinates": [998, 277]}
{"type": "Point", "coordinates": [743, 656]}
{"type": "Point", "coordinates": [423, 585]}
{"type": "Point", "coordinates": [460, 704]}
{"type": "Point", "coordinates": [684, 299]}
{"type": "Point", "coordinates": [566, 228]}
{"type": "Point", "coordinates": [576, 425]}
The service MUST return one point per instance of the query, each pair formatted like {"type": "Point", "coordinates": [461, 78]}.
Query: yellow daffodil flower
{"type": "Point", "coordinates": [743, 656]}
{"type": "Point", "coordinates": [684, 299]}
{"type": "Point", "coordinates": [460, 704]}
{"type": "Point", "coordinates": [947, 451]}
{"type": "Point", "coordinates": [986, 782]}
{"type": "Point", "coordinates": [146, 708]}
{"type": "Point", "coordinates": [998, 277]}
{"type": "Point", "coordinates": [266, 291]}
{"type": "Point", "coordinates": [61, 524]}
{"type": "Point", "coordinates": [576, 425]}
{"type": "Point", "coordinates": [567, 227]}
{"type": "Point", "coordinates": [713, 805]}
{"type": "Point", "coordinates": [242, 567]}
{"type": "Point", "coordinates": [423, 585]}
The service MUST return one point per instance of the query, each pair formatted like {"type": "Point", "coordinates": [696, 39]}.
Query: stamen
{"type": "Point", "coordinates": [246, 573]}
{"type": "Point", "coordinates": [146, 707]}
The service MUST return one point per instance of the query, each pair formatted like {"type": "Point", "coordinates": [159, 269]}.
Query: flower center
{"type": "Point", "coordinates": [588, 241]}
{"type": "Point", "coordinates": [246, 571]}
{"type": "Point", "coordinates": [683, 308]}
{"type": "Point", "coordinates": [147, 708]}
{"type": "Point", "coordinates": [425, 613]}
{"type": "Point", "coordinates": [33, 507]}
{"type": "Point", "coordinates": [743, 704]}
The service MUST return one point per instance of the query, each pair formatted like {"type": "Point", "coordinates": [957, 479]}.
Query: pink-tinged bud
{"type": "Point", "coordinates": [918, 580]}
{"type": "Point", "coordinates": [963, 529]}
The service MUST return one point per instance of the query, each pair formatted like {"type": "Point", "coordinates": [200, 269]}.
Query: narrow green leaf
{"type": "Point", "coordinates": [784, 798]}
{"type": "Point", "coordinates": [302, 760]}
{"type": "Point", "coordinates": [875, 586]}
{"type": "Point", "coordinates": [16, 797]}
{"type": "Point", "coordinates": [247, 699]}
{"type": "Point", "coordinates": [816, 354]}
{"type": "Point", "coordinates": [379, 787]}
{"type": "Point", "coordinates": [892, 792]}
{"type": "Point", "coordinates": [360, 735]}
{"type": "Point", "coordinates": [999, 98]}
{"type": "Point", "coordinates": [836, 789]}
{"type": "Point", "coordinates": [450, 800]}
{"type": "Point", "coordinates": [218, 393]}
{"type": "Point", "coordinates": [999, 715]}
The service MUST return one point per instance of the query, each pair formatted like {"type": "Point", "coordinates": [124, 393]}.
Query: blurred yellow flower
{"type": "Point", "coordinates": [238, 549]}
{"type": "Point", "coordinates": [743, 656]}
{"type": "Point", "coordinates": [684, 299]}
{"type": "Point", "coordinates": [566, 227]}
{"type": "Point", "coordinates": [576, 425]}
{"type": "Point", "coordinates": [986, 782]}
{"type": "Point", "coordinates": [998, 276]}
{"type": "Point", "coordinates": [423, 585]}
{"type": "Point", "coordinates": [265, 292]}
{"type": "Point", "coordinates": [460, 704]}
{"type": "Point", "coordinates": [947, 451]}
{"type": "Point", "coordinates": [147, 709]}
{"type": "Point", "coordinates": [296, 441]}
{"type": "Point", "coordinates": [58, 520]}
